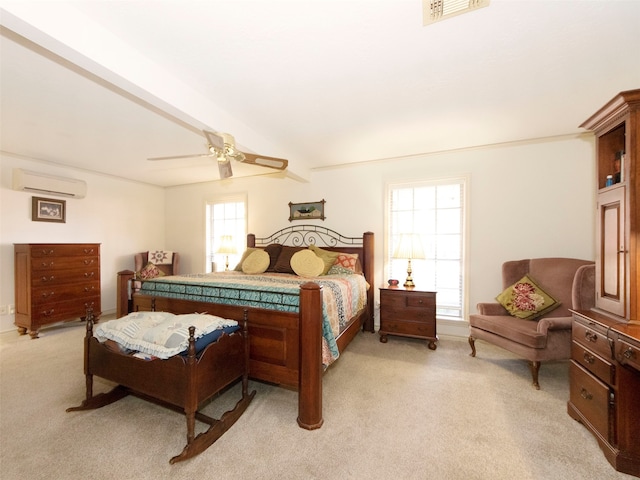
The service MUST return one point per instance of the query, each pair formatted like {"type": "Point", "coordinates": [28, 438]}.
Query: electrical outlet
{"type": "Point", "coordinates": [12, 309]}
{"type": "Point", "coordinates": [4, 309]}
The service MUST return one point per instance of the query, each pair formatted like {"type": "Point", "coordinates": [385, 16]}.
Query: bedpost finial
{"type": "Point", "coordinates": [191, 349]}
{"type": "Point", "coordinates": [89, 318]}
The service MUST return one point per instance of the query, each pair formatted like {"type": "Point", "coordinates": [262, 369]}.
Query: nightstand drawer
{"type": "Point", "coordinates": [421, 301]}
{"type": "Point", "coordinates": [403, 327]}
{"type": "Point", "coordinates": [407, 299]}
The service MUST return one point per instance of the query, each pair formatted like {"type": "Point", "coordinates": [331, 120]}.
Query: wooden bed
{"type": "Point", "coordinates": [285, 347]}
{"type": "Point", "coordinates": [182, 382]}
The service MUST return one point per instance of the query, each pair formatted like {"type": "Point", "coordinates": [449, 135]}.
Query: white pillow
{"type": "Point", "coordinates": [256, 262]}
{"type": "Point", "coordinates": [305, 263]}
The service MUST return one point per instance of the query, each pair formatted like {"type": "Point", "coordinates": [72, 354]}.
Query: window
{"type": "Point", "coordinates": [226, 217]}
{"type": "Point", "coordinates": [436, 212]}
{"type": "Point", "coordinates": [436, 10]}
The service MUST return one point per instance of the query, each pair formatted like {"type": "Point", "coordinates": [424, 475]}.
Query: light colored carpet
{"type": "Point", "coordinates": [395, 410]}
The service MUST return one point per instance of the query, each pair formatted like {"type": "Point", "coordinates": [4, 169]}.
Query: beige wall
{"type": "Point", "coordinates": [532, 199]}
{"type": "Point", "coordinates": [123, 216]}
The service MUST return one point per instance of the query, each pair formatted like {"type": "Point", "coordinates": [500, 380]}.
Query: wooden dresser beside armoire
{"type": "Point", "coordinates": [605, 355]}
{"type": "Point", "coordinates": [55, 282]}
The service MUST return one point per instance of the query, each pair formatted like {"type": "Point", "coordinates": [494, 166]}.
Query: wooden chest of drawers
{"type": "Point", "coordinates": [55, 282]}
{"type": "Point", "coordinates": [408, 313]}
{"type": "Point", "coordinates": [604, 391]}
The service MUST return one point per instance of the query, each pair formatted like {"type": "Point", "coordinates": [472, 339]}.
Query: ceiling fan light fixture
{"type": "Point", "coordinates": [435, 10]}
{"type": "Point", "coordinates": [222, 147]}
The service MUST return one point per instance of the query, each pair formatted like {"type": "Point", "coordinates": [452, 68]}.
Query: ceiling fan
{"type": "Point", "coordinates": [222, 146]}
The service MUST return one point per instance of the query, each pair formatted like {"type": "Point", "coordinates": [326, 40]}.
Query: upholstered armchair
{"type": "Point", "coordinates": [167, 262]}
{"type": "Point", "coordinates": [546, 334]}
{"type": "Point", "coordinates": [152, 264]}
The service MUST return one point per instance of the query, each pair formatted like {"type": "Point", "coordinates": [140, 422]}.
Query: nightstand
{"type": "Point", "coordinates": [408, 312]}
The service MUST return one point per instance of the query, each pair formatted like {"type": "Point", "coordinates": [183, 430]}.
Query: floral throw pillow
{"type": "Point", "coordinates": [149, 271]}
{"type": "Point", "coordinates": [525, 299]}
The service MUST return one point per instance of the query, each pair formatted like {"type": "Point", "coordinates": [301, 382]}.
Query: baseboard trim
{"type": "Point", "coordinates": [454, 328]}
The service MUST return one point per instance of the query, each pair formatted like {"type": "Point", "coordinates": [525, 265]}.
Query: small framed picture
{"type": "Point", "coordinates": [306, 211]}
{"type": "Point", "coordinates": [48, 210]}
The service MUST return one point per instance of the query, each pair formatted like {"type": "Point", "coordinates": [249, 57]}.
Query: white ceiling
{"type": "Point", "coordinates": [103, 85]}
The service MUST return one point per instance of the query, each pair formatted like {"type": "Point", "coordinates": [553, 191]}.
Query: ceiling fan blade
{"type": "Point", "coordinates": [175, 157]}
{"type": "Point", "coordinates": [263, 161]}
{"type": "Point", "coordinates": [215, 140]}
{"type": "Point", "coordinates": [225, 169]}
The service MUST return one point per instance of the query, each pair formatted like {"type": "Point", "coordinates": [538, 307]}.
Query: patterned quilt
{"type": "Point", "coordinates": [343, 295]}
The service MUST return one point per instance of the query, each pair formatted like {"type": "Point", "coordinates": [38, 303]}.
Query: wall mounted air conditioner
{"type": "Point", "coordinates": [46, 184]}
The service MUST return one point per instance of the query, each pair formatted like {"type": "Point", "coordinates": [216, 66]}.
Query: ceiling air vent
{"type": "Point", "coordinates": [435, 10]}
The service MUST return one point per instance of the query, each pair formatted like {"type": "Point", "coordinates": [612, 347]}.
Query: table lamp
{"type": "Point", "coordinates": [409, 247]}
{"type": "Point", "coordinates": [227, 247]}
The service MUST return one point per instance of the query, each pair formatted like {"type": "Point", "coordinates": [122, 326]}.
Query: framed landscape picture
{"type": "Point", "coordinates": [48, 210]}
{"type": "Point", "coordinates": [306, 211]}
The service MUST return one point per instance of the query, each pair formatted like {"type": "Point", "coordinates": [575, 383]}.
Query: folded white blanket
{"type": "Point", "coordinates": [160, 334]}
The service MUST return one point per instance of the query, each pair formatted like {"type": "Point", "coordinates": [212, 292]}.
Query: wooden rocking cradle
{"type": "Point", "coordinates": [182, 382]}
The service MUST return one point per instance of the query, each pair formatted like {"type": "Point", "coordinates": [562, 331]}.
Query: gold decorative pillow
{"type": "Point", "coordinates": [305, 263]}
{"type": "Point", "coordinates": [525, 299]}
{"type": "Point", "coordinates": [328, 257]}
{"type": "Point", "coordinates": [256, 262]}
{"type": "Point", "coordinates": [246, 253]}
{"type": "Point", "coordinates": [283, 264]}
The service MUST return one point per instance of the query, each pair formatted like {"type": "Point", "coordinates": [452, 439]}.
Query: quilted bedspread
{"type": "Point", "coordinates": [343, 295]}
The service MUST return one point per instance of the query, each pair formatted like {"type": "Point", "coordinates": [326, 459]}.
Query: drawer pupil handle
{"type": "Point", "coordinates": [585, 394]}
{"type": "Point", "coordinates": [48, 279]}
{"type": "Point", "coordinates": [629, 353]}
{"type": "Point", "coordinates": [47, 252]}
{"type": "Point", "coordinates": [588, 358]}
{"type": "Point", "coordinates": [89, 274]}
{"type": "Point", "coordinates": [88, 262]}
{"type": "Point", "coordinates": [47, 294]}
{"type": "Point", "coordinates": [592, 337]}
{"type": "Point", "coordinates": [45, 264]}
{"type": "Point", "coordinates": [88, 250]}
{"type": "Point", "coordinates": [48, 313]}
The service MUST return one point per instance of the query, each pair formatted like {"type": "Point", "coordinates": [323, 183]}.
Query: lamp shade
{"type": "Point", "coordinates": [409, 247]}
{"type": "Point", "coordinates": [226, 245]}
